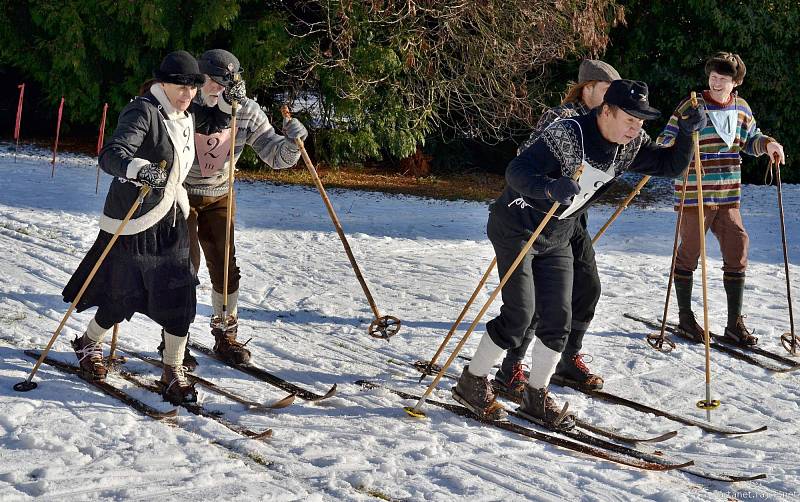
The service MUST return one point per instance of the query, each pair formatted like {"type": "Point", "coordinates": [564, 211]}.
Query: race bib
{"type": "Point", "coordinates": [590, 181]}
{"type": "Point", "coordinates": [725, 123]}
{"type": "Point", "coordinates": [212, 151]}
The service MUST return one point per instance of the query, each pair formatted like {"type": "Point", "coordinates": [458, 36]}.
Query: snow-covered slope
{"type": "Point", "coordinates": [307, 316]}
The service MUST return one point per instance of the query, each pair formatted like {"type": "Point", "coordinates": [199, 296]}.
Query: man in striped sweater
{"type": "Point", "coordinates": [731, 130]}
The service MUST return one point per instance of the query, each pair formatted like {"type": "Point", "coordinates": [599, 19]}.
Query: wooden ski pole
{"type": "Point", "coordinates": [788, 340]}
{"type": "Point", "coordinates": [622, 206]}
{"type": "Point", "coordinates": [100, 145]}
{"type": "Point", "coordinates": [416, 410]}
{"type": "Point", "coordinates": [229, 216]}
{"type": "Point", "coordinates": [707, 404]}
{"type": "Point", "coordinates": [460, 318]}
{"type": "Point", "coordinates": [657, 340]}
{"type": "Point", "coordinates": [18, 121]}
{"type": "Point", "coordinates": [58, 131]}
{"type": "Point", "coordinates": [28, 384]}
{"type": "Point", "coordinates": [383, 327]}
{"type": "Point", "coordinates": [114, 334]}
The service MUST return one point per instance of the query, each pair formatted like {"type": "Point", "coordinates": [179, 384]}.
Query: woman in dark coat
{"type": "Point", "coordinates": [148, 269]}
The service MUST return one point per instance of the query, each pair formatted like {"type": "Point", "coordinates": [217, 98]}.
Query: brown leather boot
{"type": "Point", "coordinates": [688, 325]}
{"type": "Point", "coordinates": [512, 385]}
{"type": "Point", "coordinates": [90, 358]}
{"type": "Point", "coordinates": [739, 334]}
{"type": "Point", "coordinates": [572, 371]}
{"type": "Point", "coordinates": [541, 408]}
{"type": "Point", "coordinates": [175, 388]}
{"type": "Point", "coordinates": [476, 393]}
{"type": "Point", "coordinates": [225, 343]}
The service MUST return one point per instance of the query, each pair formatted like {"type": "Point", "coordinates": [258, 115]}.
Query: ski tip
{"type": "Point", "coordinates": [414, 412]}
{"type": "Point", "coordinates": [748, 478]}
{"type": "Point", "coordinates": [170, 414]}
{"type": "Point", "coordinates": [283, 403]}
{"type": "Point", "coordinates": [754, 431]}
{"type": "Point", "coordinates": [658, 439]}
{"type": "Point", "coordinates": [263, 435]}
{"type": "Point", "coordinates": [330, 393]}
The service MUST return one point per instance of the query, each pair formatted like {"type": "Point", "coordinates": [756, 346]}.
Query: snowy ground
{"type": "Point", "coordinates": [303, 307]}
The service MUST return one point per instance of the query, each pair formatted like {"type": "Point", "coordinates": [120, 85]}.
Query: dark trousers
{"type": "Point", "coordinates": [207, 219]}
{"type": "Point", "coordinates": [538, 296]}
{"type": "Point", "coordinates": [585, 295]}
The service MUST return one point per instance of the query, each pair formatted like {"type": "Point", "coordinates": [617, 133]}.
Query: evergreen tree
{"type": "Point", "coordinates": [666, 45]}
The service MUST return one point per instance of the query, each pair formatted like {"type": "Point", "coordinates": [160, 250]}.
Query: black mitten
{"type": "Point", "coordinates": [562, 190]}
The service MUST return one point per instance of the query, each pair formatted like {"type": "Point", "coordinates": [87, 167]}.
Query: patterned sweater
{"type": "Point", "coordinates": [559, 151]}
{"type": "Point", "coordinates": [722, 174]}
{"type": "Point", "coordinates": [550, 115]}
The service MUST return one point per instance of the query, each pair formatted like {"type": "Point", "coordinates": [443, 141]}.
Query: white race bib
{"type": "Point", "coordinates": [724, 122]}
{"type": "Point", "coordinates": [590, 181]}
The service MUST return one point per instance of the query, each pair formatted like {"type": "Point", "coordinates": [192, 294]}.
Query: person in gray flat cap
{"type": "Point", "coordinates": [594, 78]}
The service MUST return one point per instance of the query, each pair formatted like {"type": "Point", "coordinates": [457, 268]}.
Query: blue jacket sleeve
{"type": "Point", "coordinates": [665, 161]}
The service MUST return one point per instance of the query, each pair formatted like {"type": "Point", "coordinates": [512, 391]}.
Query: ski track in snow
{"type": "Point", "coordinates": [307, 316]}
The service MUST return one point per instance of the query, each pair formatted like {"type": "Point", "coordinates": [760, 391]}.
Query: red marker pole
{"type": "Point", "coordinates": [58, 130]}
{"type": "Point", "coordinates": [19, 118]}
{"type": "Point", "coordinates": [100, 144]}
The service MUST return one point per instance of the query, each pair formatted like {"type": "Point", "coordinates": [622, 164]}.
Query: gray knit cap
{"type": "Point", "coordinates": [594, 69]}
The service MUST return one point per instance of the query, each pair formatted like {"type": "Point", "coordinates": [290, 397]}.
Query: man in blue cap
{"type": "Point", "coordinates": [606, 143]}
{"type": "Point", "coordinates": [594, 79]}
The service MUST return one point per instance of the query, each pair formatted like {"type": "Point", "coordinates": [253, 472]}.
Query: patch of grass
{"type": "Point", "coordinates": [474, 186]}
{"type": "Point", "coordinates": [372, 492]}
{"type": "Point", "coordinates": [259, 459]}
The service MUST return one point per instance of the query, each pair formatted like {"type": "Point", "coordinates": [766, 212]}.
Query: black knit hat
{"type": "Point", "coordinates": [727, 63]}
{"type": "Point", "coordinates": [180, 68]}
{"type": "Point", "coordinates": [631, 97]}
{"type": "Point", "coordinates": [220, 65]}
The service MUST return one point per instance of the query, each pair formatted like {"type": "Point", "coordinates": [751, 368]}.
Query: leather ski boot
{"type": "Point", "coordinates": [736, 332]}
{"type": "Point", "coordinates": [512, 385]}
{"type": "Point", "coordinates": [90, 358]}
{"type": "Point", "coordinates": [572, 371]}
{"type": "Point", "coordinates": [739, 334]}
{"type": "Point", "coordinates": [687, 323]}
{"type": "Point", "coordinates": [226, 345]}
{"type": "Point", "coordinates": [476, 393]}
{"type": "Point", "coordinates": [689, 326]}
{"type": "Point", "coordinates": [189, 361]}
{"type": "Point", "coordinates": [175, 388]}
{"type": "Point", "coordinates": [538, 406]}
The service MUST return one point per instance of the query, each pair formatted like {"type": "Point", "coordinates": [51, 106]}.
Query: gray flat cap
{"type": "Point", "coordinates": [594, 69]}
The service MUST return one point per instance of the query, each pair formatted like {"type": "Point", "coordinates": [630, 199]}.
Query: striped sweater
{"type": "Point", "coordinates": [722, 174]}
{"type": "Point", "coordinates": [252, 128]}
